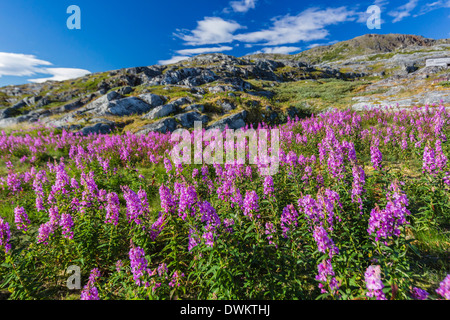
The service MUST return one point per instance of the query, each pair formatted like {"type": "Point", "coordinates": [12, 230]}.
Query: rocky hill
{"type": "Point", "coordinates": [222, 90]}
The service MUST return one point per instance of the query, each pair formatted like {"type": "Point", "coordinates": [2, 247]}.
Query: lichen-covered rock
{"type": "Point", "coordinates": [163, 126]}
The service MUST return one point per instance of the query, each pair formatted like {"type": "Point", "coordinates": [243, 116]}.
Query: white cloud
{"type": "Point", "coordinates": [280, 50]}
{"type": "Point", "coordinates": [428, 7]}
{"type": "Point", "coordinates": [17, 64]}
{"type": "Point", "coordinates": [306, 26]}
{"type": "Point", "coordinates": [174, 59]}
{"type": "Point", "coordinates": [243, 5]}
{"type": "Point", "coordinates": [211, 30]}
{"type": "Point", "coordinates": [403, 11]}
{"type": "Point", "coordinates": [189, 52]}
{"type": "Point", "coordinates": [20, 65]}
{"type": "Point", "coordinates": [60, 74]}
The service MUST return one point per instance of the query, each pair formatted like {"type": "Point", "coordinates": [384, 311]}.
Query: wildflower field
{"type": "Point", "coordinates": [359, 209]}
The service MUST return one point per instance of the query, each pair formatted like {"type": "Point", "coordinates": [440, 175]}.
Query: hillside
{"type": "Point", "coordinates": [220, 90]}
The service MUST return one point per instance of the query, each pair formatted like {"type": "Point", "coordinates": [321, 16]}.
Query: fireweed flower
{"type": "Point", "coordinates": [419, 294]}
{"type": "Point", "coordinates": [208, 236]}
{"type": "Point", "coordinates": [444, 288]}
{"type": "Point", "coordinates": [387, 222]}
{"type": "Point", "coordinates": [209, 215]}
{"type": "Point", "coordinates": [157, 226]}
{"type": "Point", "coordinates": [228, 223]}
{"type": "Point", "coordinates": [112, 208]}
{"type": "Point", "coordinates": [167, 165]}
{"type": "Point", "coordinates": [176, 278]}
{"type": "Point", "coordinates": [324, 242]}
{"type": "Point", "coordinates": [270, 231]}
{"type": "Point", "coordinates": [134, 205]}
{"type": "Point", "coordinates": [325, 272]}
{"type": "Point", "coordinates": [187, 201]}
{"type": "Point", "coordinates": [89, 291]}
{"type": "Point", "coordinates": [193, 239]}
{"type": "Point", "coordinates": [374, 284]}
{"type": "Point", "coordinates": [138, 263]}
{"type": "Point", "coordinates": [250, 203]}
{"type": "Point", "coordinates": [288, 219]}
{"type": "Point", "coordinates": [21, 218]}
{"type": "Point", "coordinates": [167, 200]}
{"type": "Point", "coordinates": [268, 186]}
{"type": "Point", "coordinates": [359, 179]}
{"type": "Point", "coordinates": [428, 165]}
{"type": "Point", "coordinates": [5, 234]}
{"type": "Point", "coordinates": [376, 156]}
{"type": "Point", "coordinates": [66, 223]}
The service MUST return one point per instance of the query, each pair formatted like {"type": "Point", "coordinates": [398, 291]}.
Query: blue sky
{"type": "Point", "coordinates": [36, 44]}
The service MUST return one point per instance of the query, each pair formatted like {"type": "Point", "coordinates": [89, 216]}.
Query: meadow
{"type": "Point", "coordinates": [359, 209]}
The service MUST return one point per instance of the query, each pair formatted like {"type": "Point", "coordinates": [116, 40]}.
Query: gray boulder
{"type": "Point", "coordinates": [125, 90]}
{"type": "Point", "coordinates": [101, 127]}
{"type": "Point", "coordinates": [234, 121]}
{"type": "Point", "coordinates": [161, 111]}
{"type": "Point", "coordinates": [195, 107]}
{"type": "Point", "coordinates": [103, 100]}
{"type": "Point", "coordinates": [162, 126]}
{"type": "Point", "coordinates": [8, 113]}
{"type": "Point", "coordinates": [187, 119]}
{"type": "Point", "coordinates": [181, 101]}
{"type": "Point", "coordinates": [226, 106]}
{"type": "Point", "coordinates": [153, 100]}
{"type": "Point", "coordinates": [125, 107]}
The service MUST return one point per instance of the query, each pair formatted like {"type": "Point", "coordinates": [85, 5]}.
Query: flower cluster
{"type": "Point", "coordinates": [374, 284]}
{"type": "Point", "coordinates": [90, 291]}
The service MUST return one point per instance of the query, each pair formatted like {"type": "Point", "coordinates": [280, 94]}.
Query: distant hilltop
{"type": "Point", "coordinates": [221, 90]}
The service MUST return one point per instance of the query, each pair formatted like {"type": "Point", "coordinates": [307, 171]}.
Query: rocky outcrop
{"type": "Point", "coordinates": [234, 121]}
{"type": "Point", "coordinates": [162, 126]}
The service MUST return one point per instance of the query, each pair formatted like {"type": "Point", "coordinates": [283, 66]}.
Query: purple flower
{"type": "Point", "coordinates": [376, 156]}
{"type": "Point", "coordinates": [134, 205]}
{"type": "Point", "coordinates": [138, 263]}
{"type": "Point", "coordinates": [167, 165]}
{"type": "Point", "coordinates": [324, 242]}
{"type": "Point", "coordinates": [208, 236]}
{"type": "Point", "coordinates": [21, 218]}
{"type": "Point", "coordinates": [157, 226]}
{"type": "Point", "coordinates": [193, 239]}
{"type": "Point", "coordinates": [89, 291]}
{"type": "Point", "coordinates": [374, 284]}
{"type": "Point", "coordinates": [112, 208]}
{"type": "Point", "coordinates": [167, 200]}
{"type": "Point", "coordinates": [428, 165]}
{"type": "Point", "coordinates": [387, 222]}
{"type": "Point", "coordinates": [325, 271]}
{"type": "Point", "coordinates": [288, 219]}
{"type": "Point", "coordinates": [270, 231]}
{"type": "Point", "coordinates": [5, 234]}
{"type": "Point", "coordinates": [250, 203]}
{"type": "Point", "coordinates": [66, 223]}
{"type": "Point", "coordinates": [176, 277]}
{"type": "Point", "coordinates": [359, 179]}
{"type": "Point", "coordinates": [444, 288]}
{"type": "Point", "coordinates": [419, 294]}
{"type": "Point", "coordinates": [188, 200]}
{"type": "Point", "coordinates": [268, 186]}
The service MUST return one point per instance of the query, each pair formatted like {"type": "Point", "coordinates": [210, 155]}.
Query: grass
{"type": "Point", "coordinates": [320, 94]}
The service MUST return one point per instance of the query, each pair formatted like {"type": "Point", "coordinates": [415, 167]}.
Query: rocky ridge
{"type": "Point", "coordinates": [221, 90]}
